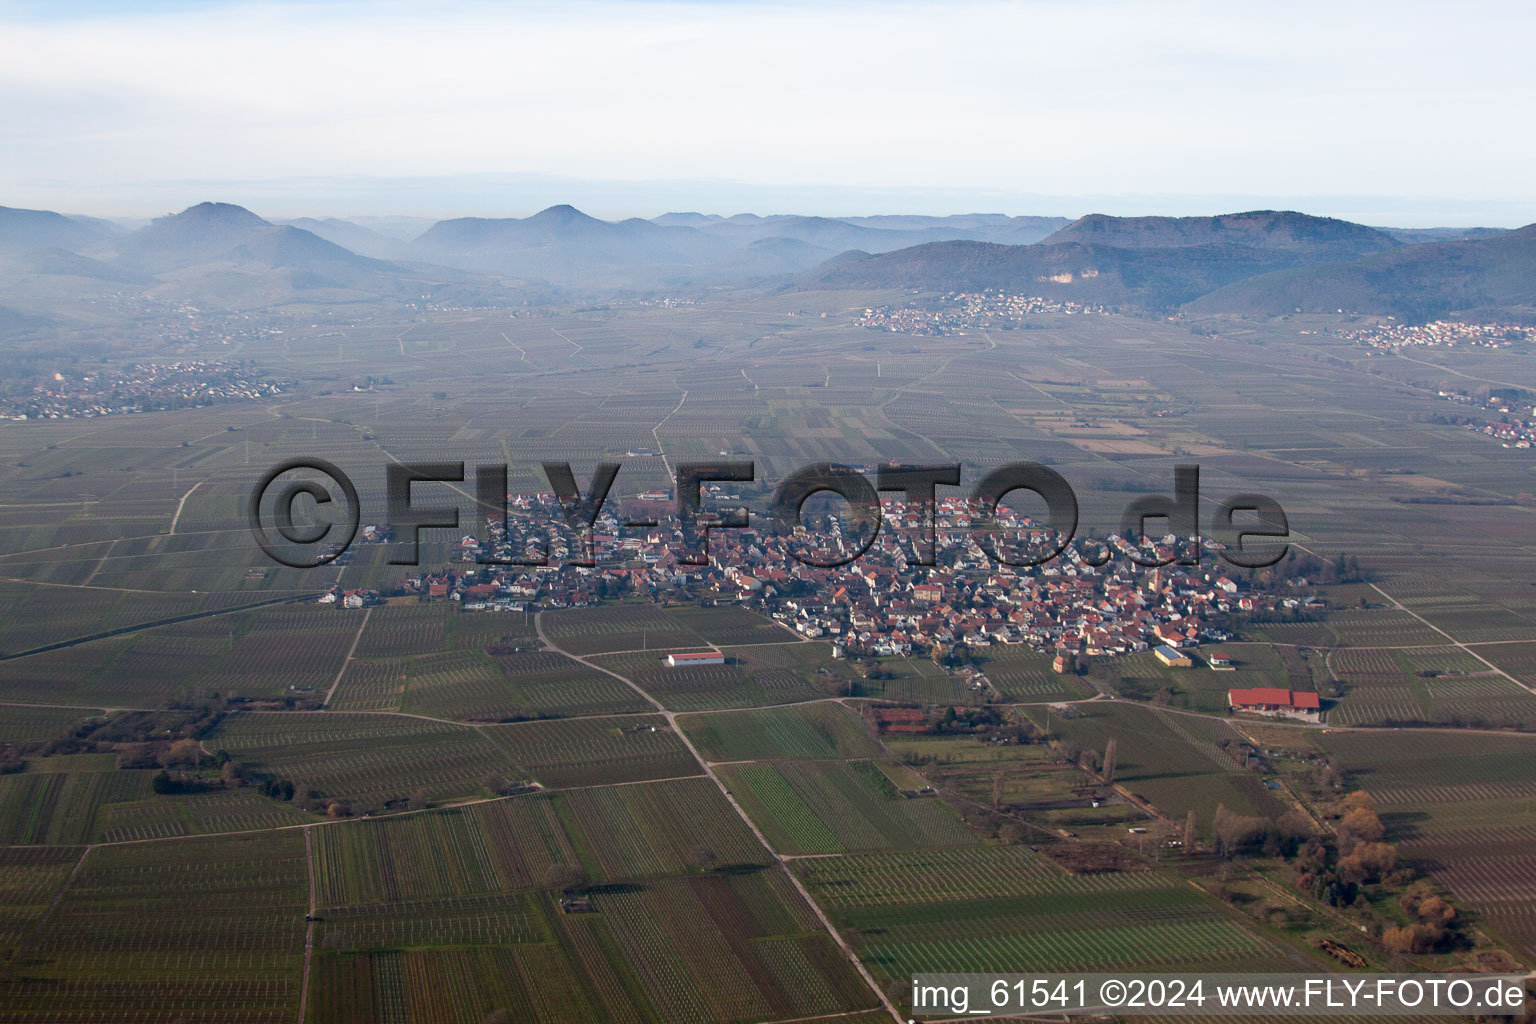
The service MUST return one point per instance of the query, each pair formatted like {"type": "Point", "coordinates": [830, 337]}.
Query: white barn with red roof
{"type": "Point", "coordinates": [695, 658]}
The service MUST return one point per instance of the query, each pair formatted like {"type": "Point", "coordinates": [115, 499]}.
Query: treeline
{"type": "Point", "coordinates": [1351, 870]}
{"type": "Point", "coordinates": [168, 738]}
{"type": "Point", "coordinates": [1360, 863]}
{"type": "Point", "coordinates": [1342, 568]}
{"type": "Point", "coordinates": [1454, 719]}
{"type": "Point", "coordinates": [986, 724]}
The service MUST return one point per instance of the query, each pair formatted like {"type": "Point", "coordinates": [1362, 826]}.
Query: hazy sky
{"type": "Point", "coordinates": [1390, 112]}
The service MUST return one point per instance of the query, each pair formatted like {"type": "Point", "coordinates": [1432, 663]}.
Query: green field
{"type": "Point", "coordinates": [1174, 761]}
{"type": "Point", "coordinates": [963, 909]}
{"type": "Point", "coordinates": [1433, 685]}
{"type": "Point", "coordinates": [838, 807]}
{"type": "Point", "coordinates": [630, 627]}
{"type": "Point", "coordinates": [711, 948]}
{"type": "Point", "coordinates": [1025, 676]}
{"type": "Point", "coordinates": [370, 684]}
{"type": "Point", "coordinates": [730, 626]}
{"type": "Point", "coordinates": [751, 676]}
{"type": "Point", "coordinates": [366, 758]}
{"type": "Point", "coordinates": [30, 877]}
{"type": "Point", "coordinates": [813, 731]}
{"type": "Point", "coordinates": [621, 833]}
{"type": "Point", "coordinates": [595, 751]}
{"type": "Point", "coordinates": [24, 724]}
{"type": "Point", "coordinates": [233, 953]}
{"type": "Point", "coordinates": [70, 807]}
{"type": "Point", "coordinates": [468, 685]}
{"type": "Point", "coordinates": [443, 932]}
{"type": "Point", "coordinates": [915, 680]}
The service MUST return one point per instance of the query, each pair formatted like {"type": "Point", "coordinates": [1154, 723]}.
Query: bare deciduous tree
{"type": "Point", "coordinates": [565, 877]}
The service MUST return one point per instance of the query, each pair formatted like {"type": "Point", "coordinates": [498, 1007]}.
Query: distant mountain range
{"type": "Point", "coordinates": [1483, 275]}
{"type": "Point", "coordinates": [350, 235]}
{"type": "Point", "coordinates": [567, 247]}
{"type": "Point", "coordinates": [23, 231]}
{"type": "Point", "coordinates": [215, 255]}
{"type": "Point", "coordinates": [1263, 262]}
{"type": "Point", "coordinates": [1145, 262]}
{"type": "Point", "coordinates": [1262, 231]}
{"type": "Point", "coordinates": [223, 256]}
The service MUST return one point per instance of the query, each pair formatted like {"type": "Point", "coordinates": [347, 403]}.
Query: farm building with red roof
{"type": "Point", "coordinates": [695, 658]}
{"type": "Point", "coordinates": [1271, 700]}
